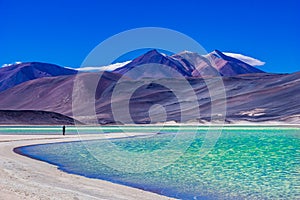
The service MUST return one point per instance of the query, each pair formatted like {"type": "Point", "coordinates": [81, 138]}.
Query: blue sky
{"type": "Point", "coordinates": [63, 32]}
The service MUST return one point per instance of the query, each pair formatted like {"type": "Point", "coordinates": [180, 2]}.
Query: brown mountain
{"type": "Point", "coordinates": [251, 97]}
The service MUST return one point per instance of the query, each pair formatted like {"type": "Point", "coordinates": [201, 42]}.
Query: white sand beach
{"type": "Point", "coordinates": [25, 178]}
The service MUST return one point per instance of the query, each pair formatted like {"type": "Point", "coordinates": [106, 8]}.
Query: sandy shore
{"type": "Point", "coordinates": [25, 178]}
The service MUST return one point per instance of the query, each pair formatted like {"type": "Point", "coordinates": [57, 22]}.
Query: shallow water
{"type": "Point", "coordinates": [245, 163]}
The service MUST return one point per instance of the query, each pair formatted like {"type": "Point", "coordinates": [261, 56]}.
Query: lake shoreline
{"type": "Point", "coordinates": [26, 178]}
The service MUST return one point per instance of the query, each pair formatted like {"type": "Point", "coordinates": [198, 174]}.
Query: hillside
{"type": "Point", "coordinates": [31, 117]}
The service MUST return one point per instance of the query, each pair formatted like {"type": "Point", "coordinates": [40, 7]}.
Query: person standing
{"type": "Point", "coordinates": [64, 130]}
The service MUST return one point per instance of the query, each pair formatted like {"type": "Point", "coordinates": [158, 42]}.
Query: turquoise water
{"type": "Point", "coordinates": [245, 163]}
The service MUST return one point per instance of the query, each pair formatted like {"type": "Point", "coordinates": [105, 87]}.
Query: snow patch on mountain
{"type": "Point", "coordinates": [103, 68]}
{"type": "Point", "coordinates": [246, 59]}
{"type": "Point", "coordinates": [7, 65]}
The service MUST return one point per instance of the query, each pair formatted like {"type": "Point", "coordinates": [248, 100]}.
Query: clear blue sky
{"type": "Point", "coordinates": [65, 31]}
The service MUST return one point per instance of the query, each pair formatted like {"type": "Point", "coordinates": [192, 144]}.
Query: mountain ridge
{"type": "Point", "coordinates": [229, 66]}
{"type": "Point", "coordinates": [15, 74]}
{"type": "Point", "coordinates": [188, 64]}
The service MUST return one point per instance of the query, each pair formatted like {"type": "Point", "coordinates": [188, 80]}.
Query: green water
{"type": "Point", "coordinates": [245, 163]}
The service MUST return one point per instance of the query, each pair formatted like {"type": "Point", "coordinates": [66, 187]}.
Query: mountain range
{"type": "Point", "coordinates": [252, 95]}
{"type": "Point", "coordinates": [187, 64]}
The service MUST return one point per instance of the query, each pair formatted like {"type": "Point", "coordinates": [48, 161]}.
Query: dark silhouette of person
{"type": "Point", "coordinates": [64, 129]}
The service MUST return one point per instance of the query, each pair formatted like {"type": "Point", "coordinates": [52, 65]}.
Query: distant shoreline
{"type": "Point", "coordinates": [169, 125]}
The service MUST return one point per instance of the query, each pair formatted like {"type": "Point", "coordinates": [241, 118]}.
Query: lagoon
{"type": "Point", "coordinates": [245, 162]}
